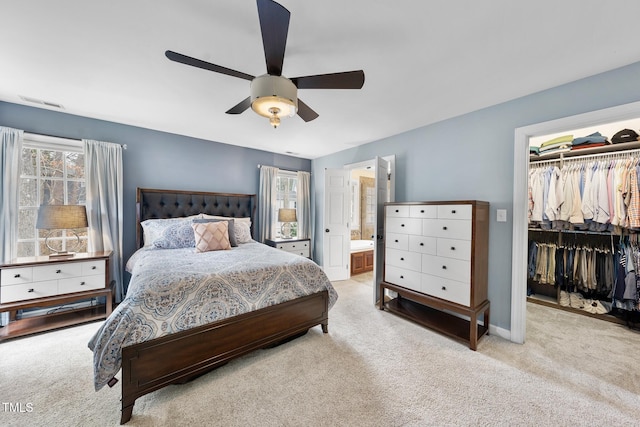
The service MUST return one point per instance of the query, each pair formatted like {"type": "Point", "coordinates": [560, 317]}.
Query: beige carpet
{"type": "Point", "coordinates": [372, 369]}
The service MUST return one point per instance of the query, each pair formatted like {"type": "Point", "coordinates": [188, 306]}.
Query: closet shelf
{"type": "Point", "coordinates": [612, 148]}
{"type": "Point", "coordinates": [597, 233]}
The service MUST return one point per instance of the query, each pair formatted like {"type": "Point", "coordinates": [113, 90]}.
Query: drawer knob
{"type": "Point", "coordinates": [397, 210]}
{"type": "Point", "coordinates": [401, 225]}
{"type": "Point", "coordinates": [18, 275]}
{"type": "Point", "coordinates": [453, 211]}
{"type": "Point", "coordinates": [444, 228]}
{"type": "Point", "coordinates": [444, 267]}
{"type": "Point", "coordinates": [453, 248]}
{"type": "Point", "coordinates": [396, 240]}
{"type": "Point", "coordinates": [82, 283]}
{"type": "Point", "coordinates": [401, 259]}
{"type": "Point", "coordinates": [94, 267]}
{"type": "Point", "coordinates": [58, 271]}
{"type": "Point", "coordinates": [421, 210]}
{"type": "Point", "coordinates": [30, 290]}
{"type": "Point", "coordinates": [293, 246]}
{"type": "Point", "coordinates": [402, 277]}
{"type": "Point", "coordinates": [421, 244]}
{"type": "Point", "coordinates": [444, 288]}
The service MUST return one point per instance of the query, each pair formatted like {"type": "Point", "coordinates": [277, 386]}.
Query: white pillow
{"type": "Point", "coordinates": [242, 231]}
{"type": "Point", "coordinates": [243, 219]}
{"type": "Point", "coordinates": [161, 232]}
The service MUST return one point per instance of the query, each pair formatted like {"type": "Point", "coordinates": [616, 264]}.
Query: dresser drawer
{"type": "Point", "coordinates": [397, 211]}
{"type": "Point", "coordinates": [397, 241]}
{"type": "Point", "coordinates": [455, 211]}
{"type": "Point", "coordinates": [401, 277]}
{"type": "Point", "coordinates": [447, 289]}
{"type": "Point", "coordinates": [404, 225]}
{"type": "Point", "coordinates": [56, 271]}
{"type": "Point", "coordinates": [447, 228]}
{"type": "Point", "coordinates": [448, 268]}
{"type": "Point", "coordinates": [16, 276]}
{"type": "Point", "coordinates": [27, 291]}
{"type": "Point", "coordinates": [450, 248]}
{"type": "Point", "coordinates": [292, 246]}
{"type": "Point", "coordinates": [423, 244]}
{"type": "Point", "coordinates": [423, 211]}
{"type": "Point", "coordinates": [403, 259]}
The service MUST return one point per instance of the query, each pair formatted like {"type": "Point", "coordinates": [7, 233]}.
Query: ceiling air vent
{"type": "Point", "coordinates": [41, 102]}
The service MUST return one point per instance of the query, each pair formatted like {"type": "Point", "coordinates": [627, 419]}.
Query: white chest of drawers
{"type": "Point", "coordinates": [436, 257]}
{"type": "Point", "coordinates": [44, 282]}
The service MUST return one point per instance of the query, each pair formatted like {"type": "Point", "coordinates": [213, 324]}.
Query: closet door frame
{"type": "Point", "coordinates": [520, 197]}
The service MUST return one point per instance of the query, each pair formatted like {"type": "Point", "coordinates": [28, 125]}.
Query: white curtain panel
{"type": "Point", "coordinates": [10, 154]}
{"type": "Point", "coordinates": [267, 201]}
{"type": "Point", "coordinates": [304, 205]}
{"type": "Point", "coordinates": [103, 175]}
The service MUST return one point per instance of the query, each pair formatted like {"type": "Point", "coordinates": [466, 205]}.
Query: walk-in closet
{"type": "Point", "coordinates": [584, 222]}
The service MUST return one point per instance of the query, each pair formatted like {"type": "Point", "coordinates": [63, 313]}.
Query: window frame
{"type": "Point", "coordinates": [63, 146]}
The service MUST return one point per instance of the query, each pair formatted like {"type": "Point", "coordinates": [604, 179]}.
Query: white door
{"type": "Point", "coordinates": [337, 236]}
{"type": "Point", "coordinates": [382, 196]}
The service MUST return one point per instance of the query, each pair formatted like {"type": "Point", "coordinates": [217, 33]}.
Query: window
{"type": "Point", "coordinates": [286, 197]}
{"type": "Point", "coordinates": [53, 174]}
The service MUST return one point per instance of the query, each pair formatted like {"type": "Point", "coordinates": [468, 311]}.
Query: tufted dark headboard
{"type": "Point", "coordinates": [152, 203]}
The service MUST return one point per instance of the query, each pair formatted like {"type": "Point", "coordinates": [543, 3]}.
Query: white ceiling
{"type": "Point", "coordinates": [424, 61]}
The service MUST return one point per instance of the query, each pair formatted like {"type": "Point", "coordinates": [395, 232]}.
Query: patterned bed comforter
{"type": "Point", "coordinates": [172, 290]}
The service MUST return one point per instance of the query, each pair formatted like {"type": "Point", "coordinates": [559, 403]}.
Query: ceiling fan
{"type": "Point", "coordinates": [274, 95]}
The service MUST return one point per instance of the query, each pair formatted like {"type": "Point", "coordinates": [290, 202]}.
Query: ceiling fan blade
{"type": "Point", "coordinates": [240, 107]}
{"type": "Point", "coordinates": [178, 57]}
{"type": "Point", "coordinates": [274, 24]}
{"type": "Point", "coordinates": [305, 112]}
{"type": "Point", "coordinates": [344, 80]}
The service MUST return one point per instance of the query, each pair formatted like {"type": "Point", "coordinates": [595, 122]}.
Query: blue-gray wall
{"type": "Point", "coordinates": [157, 159]}
{"type": "Point", "coordinates": [471, 157]}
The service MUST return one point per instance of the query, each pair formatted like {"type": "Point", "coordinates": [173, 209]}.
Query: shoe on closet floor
{"type": "Point", "coordinates": [576, 300]}
{"type": "Point", "coordinates": [565, 301]}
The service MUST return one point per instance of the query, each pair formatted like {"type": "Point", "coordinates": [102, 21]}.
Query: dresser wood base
{"type": "Point", "coordinates": [428, 312]}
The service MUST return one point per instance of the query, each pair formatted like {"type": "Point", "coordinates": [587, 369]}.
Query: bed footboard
{"type": "Point", "coordinates": [175, 358]}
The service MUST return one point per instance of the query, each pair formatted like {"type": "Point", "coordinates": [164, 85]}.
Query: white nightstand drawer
{"type": "Point", "coordinates": [448, 268]}
{"type": "Point", "coordinates": [80, 284]}
{"type": "Point", "coordinates": [91, 268]}
{"type": "Point", "coordinates": [449, 290]}
{"type": "Point", "coordinates": [447, 228]}
{"type": "Point", "coordinates": [397, 211]}
{"type": "Point", "coordinates": [404, 259]}
{"type": "Point", "coordinates": [27, 291]}
{"type": "Point", "coordinates": [56, 271]}
{"type": "Point", "coordinates": [15, 276]}
{"type": "Point", "coordinates": [292, 246]}
{"type": "Point", "coordinates": [401, 277]}
{"type": "Point", "coordinates": [397, 241]}
{"type": "Point", "coordinates": [455, 211]}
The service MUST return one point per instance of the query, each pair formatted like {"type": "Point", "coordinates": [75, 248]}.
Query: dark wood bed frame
{"type": "Point", "coordinates": [183, 356]}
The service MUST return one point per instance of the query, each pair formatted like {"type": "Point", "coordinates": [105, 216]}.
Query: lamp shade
{"type": "Point", "coordinates": [287, 215]}
{"type": "Point", "coordinates": [52, 217]}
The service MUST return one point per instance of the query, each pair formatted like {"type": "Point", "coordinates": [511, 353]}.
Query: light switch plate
{"type": "Point", "coordinates": [501, 215]}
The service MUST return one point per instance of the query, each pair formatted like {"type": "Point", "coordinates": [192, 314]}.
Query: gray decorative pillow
{"type": "Point", "coordinates": [243, 233]}
{"type": "Point", "coordinates": [232, 233]}
{"type": "Point", "coordinates": [176, 235]}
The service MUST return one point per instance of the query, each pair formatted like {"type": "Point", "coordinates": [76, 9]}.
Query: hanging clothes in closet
{"type": "Point", "coordinates": [594, 194]}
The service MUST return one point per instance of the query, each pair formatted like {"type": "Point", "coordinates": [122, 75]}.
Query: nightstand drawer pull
{"type": "Point", "coordinates": [58, 271]}
{"type": "Point", "coordinates": [402, 277]}
{"type": "Point", "coordinates": [444, 288]}
{"type": "Point", "coordinates": [82, 283]}
{"type": "Point", "coordinates": [16, 276]}
{"type": "Point", "coordinates": [453, 211]}
{"type": "Point", "coordinates": [421, 244]}
{"type": "Point", "coordinates": [444, 228]}
{"type": "Point", "coordinates": [401, 259]}
{"type": "Point", "coordinates": [30, 290]}
{"type": "Point", "coordinates": [444, 267]}
{"type": "Point", "coordinates": [453, 248]}
{"type": "Point", "coordinates": [94, 267]}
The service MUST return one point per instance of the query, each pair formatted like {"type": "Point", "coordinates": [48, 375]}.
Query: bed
{"type": "Point", "coordinates": [361, 256]}
{"type": "Point", "coordinates": [188, 312]}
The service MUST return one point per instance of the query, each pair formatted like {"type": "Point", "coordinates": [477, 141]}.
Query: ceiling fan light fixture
{"type": "Point", "coordinates": [274, 97]}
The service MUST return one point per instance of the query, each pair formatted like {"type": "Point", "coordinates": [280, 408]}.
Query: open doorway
{"type": "Point", "coordinates": [520, 196]}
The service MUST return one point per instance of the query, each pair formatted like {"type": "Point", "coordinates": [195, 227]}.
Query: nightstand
{"type": "Point", "coordinates": [36, 282]}
{"type": "Point", "coordinates": [296, 246]}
